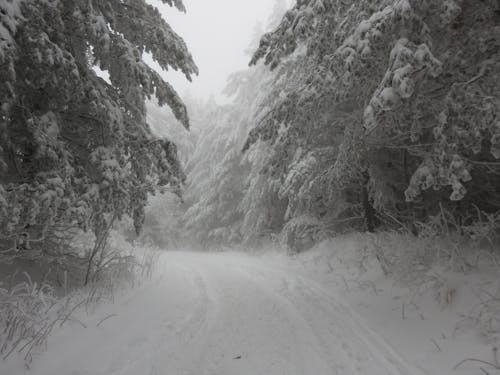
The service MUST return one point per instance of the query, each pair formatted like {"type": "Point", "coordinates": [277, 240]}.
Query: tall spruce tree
{"type": "Point", "coordinates": [396, 100]}
{"type": "Point", "coordinates": [76, 152]}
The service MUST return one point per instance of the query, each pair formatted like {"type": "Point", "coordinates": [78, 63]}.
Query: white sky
{"type": "Point", "coordinates": [217, 32]}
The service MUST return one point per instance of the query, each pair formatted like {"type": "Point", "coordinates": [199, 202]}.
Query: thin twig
{"type": "Point", "coordinates": [475, 360]}
{"type": "Point", "coordinates": [435, 343]}
{"type": "Point", "coordinates": [106, 318]}
{"type": "Point", "coordinates": [68, 315]}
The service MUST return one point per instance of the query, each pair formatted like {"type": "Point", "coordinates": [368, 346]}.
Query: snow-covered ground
{"type": "Point", "coordinates": [269, 314]}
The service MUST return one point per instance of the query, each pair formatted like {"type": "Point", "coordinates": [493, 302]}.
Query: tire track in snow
{"type": "Point", "coordinates": [236, 294]}
{"type": "Point", "coordinates": [340, 320]}
{"type": "Point", "coordinates": [182, 347]}
{"type": "Point", "coordinates": [322, 355]}
{"type": "Point", "coordinates": [225, 314]}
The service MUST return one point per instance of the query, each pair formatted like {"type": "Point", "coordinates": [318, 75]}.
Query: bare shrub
{"type": "Point", "coordinates": [488, 319]}
{"type": "Point", "coordinates": [446, 249]}
{"type": "Point", "coordinates": [28, 313]}
{"type": "Point", "coordinates": [30, 310]}
{"type": "Point", "coordinates": [406, 258]}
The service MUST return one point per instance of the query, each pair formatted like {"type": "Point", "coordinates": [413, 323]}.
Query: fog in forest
{"type": "Point", "coordinates": [230, 187]}
{"type": "Point", "coordinates": [218, 34]}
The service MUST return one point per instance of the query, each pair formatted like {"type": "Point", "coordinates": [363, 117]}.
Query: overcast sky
{"type": "Point", "coordinates": [217, 33]}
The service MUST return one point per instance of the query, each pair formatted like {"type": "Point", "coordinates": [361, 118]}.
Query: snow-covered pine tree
{"type": "Point", "coordinates": [228, 199]}
{"type": "Point", "coordinates": [405, 94]}
{"type": "Point", "coordinates": [76, 152]}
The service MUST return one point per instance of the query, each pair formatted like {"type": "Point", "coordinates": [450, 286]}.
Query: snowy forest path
{"type": "Point", "coordinates": [223, 314]}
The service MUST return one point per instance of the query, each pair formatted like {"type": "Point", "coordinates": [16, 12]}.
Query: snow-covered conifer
{"type": "Point", "coordinates": [402, 91]}
{"type": "Point", "coordinates": [75, 150]}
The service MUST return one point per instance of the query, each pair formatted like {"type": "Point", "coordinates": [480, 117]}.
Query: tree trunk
{"type": "Point", "coordinates": [370, 218]}
{"type": "Point", "coordinates": [99, 245]}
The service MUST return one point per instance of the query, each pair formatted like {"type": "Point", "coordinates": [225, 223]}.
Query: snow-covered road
{"type": "Point", "coordinates": [223, 314]}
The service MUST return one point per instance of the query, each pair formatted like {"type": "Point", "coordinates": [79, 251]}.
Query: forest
{"type": "Point", "coordinates": [359, 148]}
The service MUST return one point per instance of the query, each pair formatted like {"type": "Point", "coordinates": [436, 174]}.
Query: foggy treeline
{"type": "Point", "coordinates": [365, 116]}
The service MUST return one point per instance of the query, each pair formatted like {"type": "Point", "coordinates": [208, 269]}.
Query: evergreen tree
{"type": "Point", "coordinates": [76, 152]}
{"type": "Point", "coordinates": [228, 197]}
{"type": "Point", "coordinates": [399, 97]}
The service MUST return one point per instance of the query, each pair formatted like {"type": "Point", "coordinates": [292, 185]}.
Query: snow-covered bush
{"type": "Point", "coordinates": [302, 233]}
{"type": "Point", "coordinates": [407, 259]}
{"type": "Point", "coordinates": [31, 310]}
{"type": "Point", "coordinates": [28, 313]}
{"type": "Point", "coordinates": [488, 319]}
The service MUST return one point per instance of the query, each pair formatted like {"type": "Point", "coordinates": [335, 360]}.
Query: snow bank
{"type": "Point", "coordinates": [437, 310]}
